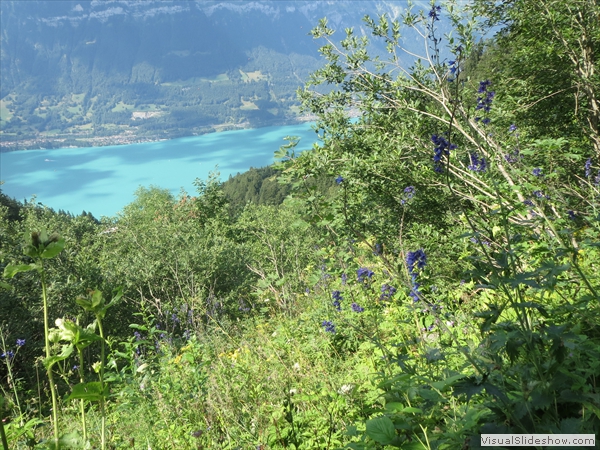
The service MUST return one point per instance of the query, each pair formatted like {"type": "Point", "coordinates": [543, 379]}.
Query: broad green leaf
{"type": "Point", "coordinates": [118, 294]}
{"type": "Point", "coordinates": [88, 391]}
{"type": "Point", "coordinates": [394, 407]}
{"type": "Point", "coordinates": [53, 249]}
{"type": "Point", "coordinates": [469, 387]}
{"type": "Point", "coordinates": [410, 409]}
{"type": "Point", "coordinates": [69, 440]}
{"type": "Point", "coordinates": [31, 251]}
{"type": "Point", "coordinates": [442, 385]}
{"type": "Point", "coordinates": [75, 334]}
{"type": "Point", "coordinates": [97, 300]}
{"type": "Point", "coordinates": [6, 286]}
{"type": "Point", "coordinates": [64, 354]}
{"type": "Point", "coordinates": [11, 270]}
{"type": "Point", "coordinates": [85, 304]}
{"type": "Point", "coordinates": [430, 394]}
{"type": "Point", "coordinates": [381, 430]}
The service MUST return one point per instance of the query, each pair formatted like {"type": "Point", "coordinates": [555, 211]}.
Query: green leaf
{"type": "Point", "coordinates": [442, 385]}
{"type": "Point", "coordinates": [69, 440]}
{"type": "Point", "coordinates": [410, 409]}
{"type": "Point", "coordinates": [85, 304]}
{"type": "Point", "coordinates": [6, 286]}
{"type": "Point", "coordinates": [53, 249]}
{"type": "Point", "coordinates": [11, 270]}
{"type": "Point", "coordinates": [394, 407]}
{"type": "Point", "coordinates": [64, 354]}
{"type": "Point", "coordinates": [414, 446]}
{"type": "Point", "coordinates": [431, 395]}
{"type": "Point", "coordinates": [97, 300]}
{"type": "Point", "coordinates": [469, 387]}
{"type": "Point", "coordinates": [88, 391]}
{"type": "Point", "coordinates": [75, 334]}
{"type": "Point", "coordinates": [381, 430]}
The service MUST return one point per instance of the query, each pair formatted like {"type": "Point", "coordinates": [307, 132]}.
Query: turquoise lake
{"type": "Point", "coordinates": [102, 180]}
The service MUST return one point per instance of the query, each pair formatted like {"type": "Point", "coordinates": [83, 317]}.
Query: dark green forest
{"type": "Point", "coordinates": [426, 274]}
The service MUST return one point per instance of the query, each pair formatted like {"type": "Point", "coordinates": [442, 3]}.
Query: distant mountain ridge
{"type": "Point", "coordinates": [78, 69]}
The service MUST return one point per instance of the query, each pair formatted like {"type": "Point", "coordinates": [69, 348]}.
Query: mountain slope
{"type": "Point", "coordinates": [72, 71]}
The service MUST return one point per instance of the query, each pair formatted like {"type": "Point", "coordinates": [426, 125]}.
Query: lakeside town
{"type": "Point", "coordinates": [125, 136]}
{"type": "Point", "coordinates": [45, 142]}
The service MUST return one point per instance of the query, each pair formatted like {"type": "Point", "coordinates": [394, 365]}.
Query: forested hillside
{"type": "Point", "coordinates": [431, 275]}
{"type": "Point", "coordinates": [81, 73]}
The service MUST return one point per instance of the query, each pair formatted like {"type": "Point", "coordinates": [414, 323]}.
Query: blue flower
{"type": "Point", "coordinates": [588, 167]}
{"type": "Point", "coordinates": [357, 308]}
{"type": "Point", "coordinates": [417, 258]}
{"type": "Point", "coordinates": [483, 85]}
{"type": "Point", "coordinates": [513, 157]}
{"type": "Point", "coordinates": [20, 342]}
{"type": "Point", "coordinates": [415, 293]}
{"type": "Point", "coordinates": [442, 148]}
{"type": "Point", "coordinates": [512, 128]}
{"type": "Point", "coordinates": [477, 241]}
{"type": "Point", "coordinates": [363, 273]}
{"type": "Point", "coordinates": [484, 102]}
{"type": "Point", "coordinates": [572, 215]}
{"type": "Point", "coordinates": [434, 13]}
{"type": "Point", "coordinates": [453, 68]}
{"type": "Point", "coordinates": [339, 179]}
{"type": "Point", "coordinates": [329, 327]}
{"type": "Point", "coordinates": [537, 172]}
{"type": "Point", "coordinates": [337, 297]}
{"type": "Point", "coordinates": [477, 164]}
{"type": "Point", "coordinates": [8, 354]}
{"type": "Point", "coordinates": [387, 291]}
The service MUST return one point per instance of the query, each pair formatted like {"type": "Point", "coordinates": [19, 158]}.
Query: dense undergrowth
{"type": "Point", "coordinates": [441, 284]}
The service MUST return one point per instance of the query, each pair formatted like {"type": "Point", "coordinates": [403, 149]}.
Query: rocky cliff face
{"type": "Point", "coordinates": [63, 43]}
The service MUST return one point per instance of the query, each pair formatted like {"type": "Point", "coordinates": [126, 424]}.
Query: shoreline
{"type": "Point", "coordinates": [127, 137]}
{"type": "Point", "coordinates": [104, 180]}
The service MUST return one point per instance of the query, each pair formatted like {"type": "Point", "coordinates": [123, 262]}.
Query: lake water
{"type": "Point", "coordinates": [102, 180]}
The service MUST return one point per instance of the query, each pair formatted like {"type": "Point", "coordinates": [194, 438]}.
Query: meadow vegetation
{"type": "Point", "coordinates": [428, 272]}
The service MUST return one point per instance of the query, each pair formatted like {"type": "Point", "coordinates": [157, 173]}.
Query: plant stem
{"type": "Point", "coordinates": [11, 379]}
{"type": "Point", "coordinates": [49, 370]}
{"type": "Point", "coordinates": [82, 401]}
{"type": "Point", "coordinates": [102, 412]}
{"type": "Point", "coordinates": [3, 435]}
